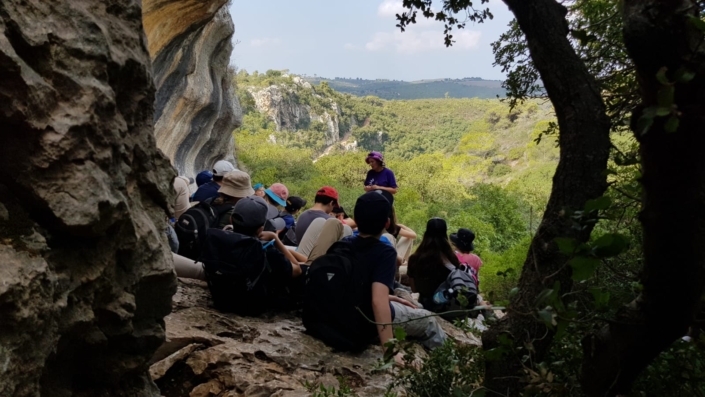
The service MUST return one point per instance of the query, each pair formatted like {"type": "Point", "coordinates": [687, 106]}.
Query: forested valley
{"type": "Point", "coordinates": [491, 165]}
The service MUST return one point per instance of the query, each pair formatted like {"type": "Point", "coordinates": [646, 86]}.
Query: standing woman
{"type": "Point", "coordinates": [379, 177]}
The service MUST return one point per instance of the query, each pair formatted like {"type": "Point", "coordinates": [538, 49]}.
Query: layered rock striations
{"type": "Point", "coordinates": [85, 275]}
{"type": "Point", "coordinates": [196, 110]}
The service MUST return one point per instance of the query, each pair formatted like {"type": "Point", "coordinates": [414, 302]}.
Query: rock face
{"type": "Point", "coordinates": [196, 109]}
{"type": "Point", "coordinates": [284, 106]}
{"type": "Point", "coordinates": [85, 279]}
{"type": "Point", "coordinates": [208, 353]}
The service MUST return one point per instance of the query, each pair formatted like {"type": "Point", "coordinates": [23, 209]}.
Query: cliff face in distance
{"type": "Point", "coordinates": [195, 109]}
{"type": "Point", "coordinates": [85, 272]}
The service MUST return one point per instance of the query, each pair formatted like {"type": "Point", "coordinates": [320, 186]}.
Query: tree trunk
{"type": "Point", "coordinates": [580, 176]}
{"type": "Point", "coordinates": [658, 34]}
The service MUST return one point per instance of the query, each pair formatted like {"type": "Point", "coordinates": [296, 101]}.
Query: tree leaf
{"type": "Point", "coordinates": [672, 124]}
{"type": "Point", "coordinates": [566, 245]}
{"type": "Point", "coordinates": [601, 297]}
{"type": "Point", "coordinates": [684, 75]}
{"type": "Point", "coordinates": [583, 267]}
{"type": "Point", "coordinates": [600, 203]}
{"type": "Point", "coordinates": [644, 124]}
{"type": "Point", "coordinates": [399, 334]}
{"type": "Point", "coordinates": [661, 76]}
{"type": "Point", "coordinates": [609, 245]}
{"type": "Point", "coordinates": [665, 96]}
{"type": "Point", "coordinates": [548, 317]}
{"type": "Point", "coordinates": [697, 22]}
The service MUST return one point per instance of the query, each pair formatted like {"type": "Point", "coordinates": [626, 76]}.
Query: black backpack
{"type": "Point", "coordinates": [460, 281]}
{"type": "Point", "coordinates": [192, 225]}
{"type": "Point", "coordinates": [337, 284]}
{"type": "Point", "coordinates": [237, 272]}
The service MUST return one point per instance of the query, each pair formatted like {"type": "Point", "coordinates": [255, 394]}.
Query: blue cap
{"type": "Point", "coordinates": [203, 177]}
{"type": "Point", "coordinates": [257, 186]}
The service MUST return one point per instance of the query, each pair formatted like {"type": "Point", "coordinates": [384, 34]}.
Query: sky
{"type": "Point", "coordinates": [358, 38]}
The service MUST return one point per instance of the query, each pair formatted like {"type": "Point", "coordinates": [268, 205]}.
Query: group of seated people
{"type": "Point", "coordinates": [261, 224]}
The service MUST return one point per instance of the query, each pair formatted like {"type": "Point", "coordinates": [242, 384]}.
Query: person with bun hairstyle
{"type": "Point", "coordinates": [379, 177]}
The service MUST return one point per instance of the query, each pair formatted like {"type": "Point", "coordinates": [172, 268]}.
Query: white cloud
{"type": "Point", "coordinates": [351, 46]}
{"type": "Point", "coordinates": [390, 8]}
{"type": "Point", "coordinates": [265, 42]}
{"type": "Point", "coordinates": [410, 42]}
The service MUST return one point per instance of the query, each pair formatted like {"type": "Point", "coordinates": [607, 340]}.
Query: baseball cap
{"type": "Point", "coordinates": [279, 193]}
{"type": "Point", "coordinates": [328, 191]}
{"type": "Point", "coordinates": [463, 239]}
{"type": "Point", "coordinates": [371, 213]}
{"type": "Point", "coordinates": [237, 184]}
{"type": "Point", "coordinates": [272, 225]}
{"type": "Point", "coordinates": [294, 203]}
{"type": "Point", "coordinates": [386, 195]}
{"type": "Point", "coordinates": [222, 167]}
{"type": "Point", "coordinates": [203, 177]}
{"type": "Point", "coordinates": [250, 212]}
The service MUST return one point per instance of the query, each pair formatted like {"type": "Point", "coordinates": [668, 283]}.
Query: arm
{"type": "Point", "coordinates": [369, 188]}
{"type": "Point", "coordinates": [299, 256]}
{"type": "Point", "coordinates": [269, 236]}
{"type": "Point", "coordinates": [392, 190]}
{"type": "Point", "coordinates": [382, 312]}
{"type": "Point", "coordinates": [350, 222]}
{"type": "Point", "coordinates": [406, 232]}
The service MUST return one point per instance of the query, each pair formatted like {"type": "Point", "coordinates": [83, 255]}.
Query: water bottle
{"type": "Point", "coordinates": [440, 297]}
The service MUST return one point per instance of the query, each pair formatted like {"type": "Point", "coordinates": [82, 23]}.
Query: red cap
{"type": "Point", "coordinates": [328, 192]}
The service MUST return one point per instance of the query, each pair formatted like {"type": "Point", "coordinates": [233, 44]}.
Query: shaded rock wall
{"type": "Point", "coordinates": [85, 275]}
{"type": "Point", "coordinates": [196, 108]}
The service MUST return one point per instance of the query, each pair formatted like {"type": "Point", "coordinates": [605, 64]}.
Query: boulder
{"type": "Point", "coordinates": [209, 353]}
{"type": "Point", "coordinates": [196, 109]}
{"type": "Point", "coordinates": [85, 275]}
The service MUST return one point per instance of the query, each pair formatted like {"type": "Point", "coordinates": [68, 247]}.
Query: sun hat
{"type": "Point", "coordinates": [375, 155]}
{"type": "Point", "coordinates": [203, 177]}
{"type": "Point", "coordinates": [250, 212]}
{"type": "Point", "coordinates": [279, 193]}
{"type": "Point", "coordinates": [371, 213]}
{"type": "Point", "coordinates": [236, 184]}
{"type": "Point", "coordinates": [463, 239]}
{"type": "Point", "coordinates": [222, 167]}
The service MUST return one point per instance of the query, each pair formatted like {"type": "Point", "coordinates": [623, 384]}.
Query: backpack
{"type": "Point", "coordinates": [337, 284]}
{"type": "Point", "coordinates": [237, 272]}
{"type": "Point", "coordinates": [192, 226]}
{"type": "Point", "coordinates": [460, 281]}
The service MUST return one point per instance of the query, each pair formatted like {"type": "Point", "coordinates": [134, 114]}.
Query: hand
{"type": "Point", "coordinates": [394, 298]}
{"type": "Point", "coordinates": [267, 236]}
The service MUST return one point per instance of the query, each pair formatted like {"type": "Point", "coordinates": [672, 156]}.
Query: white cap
{"type": "Point", "coordinates": [222, 167]}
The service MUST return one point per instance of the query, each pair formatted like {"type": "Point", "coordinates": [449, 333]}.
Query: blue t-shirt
{"type": "Point", "coordinates": [289, 219]}
{"type": "Point", "coordinates": [206, 191]}
{"type": "Point", "coordinates": [384, 178]}
{"type": "Point", "coordinates": [384, 258]}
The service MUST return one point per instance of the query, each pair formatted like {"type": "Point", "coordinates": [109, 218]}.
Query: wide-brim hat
{"type": "Point", "coordinates": [236, 184]}
{"type": "Point", "coordinates": [463, 239]}
{"type": "Point", "coordinates": [279, 193]}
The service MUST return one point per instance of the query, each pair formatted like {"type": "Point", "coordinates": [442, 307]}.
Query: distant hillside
{"type": "Point", "coordinates": [469, 87]}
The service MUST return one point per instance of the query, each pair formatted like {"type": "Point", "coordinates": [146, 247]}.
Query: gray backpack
{"type": "Point", "coordinates": [459, 282]}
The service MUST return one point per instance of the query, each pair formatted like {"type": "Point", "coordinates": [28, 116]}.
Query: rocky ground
{"type": "Point", "coordinates": [208, 353]}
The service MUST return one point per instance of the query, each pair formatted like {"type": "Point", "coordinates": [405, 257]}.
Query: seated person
{"type": "Point", "coordinates": [259, 190]}
{"type": "Point", "coordinates": [341, 215]}
{"type": "Point", "coordinates": [294, 205]}
{"type": "Point", "coordinates": [326, 199]}
{"type": "Point", "coordinates": [235, 186]}
{"type": "Point", "coordinates": [463, 241]}
{"type": "Point", "coordinates": [432, 262]}
{"type": "Point", "coordinates": [372, 216]}
{"type": "Point", "coordinates": [210, 189]}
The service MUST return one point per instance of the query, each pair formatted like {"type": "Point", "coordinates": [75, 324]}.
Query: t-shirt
{"type": "Point", "coordinates": [384, 263]}
{"type": "Point", "coordinates": [471, 260]}
{"type": "Point", "coordinates": [289, 219]}
{"type": "Point", "coordinates": [426, 278]}
{"type": "Point", "coordinates": [383, 178]}
{"type": "Point", "coordinates": [305, 220]}
{"type": "Point", "coordinates": [206, 191]}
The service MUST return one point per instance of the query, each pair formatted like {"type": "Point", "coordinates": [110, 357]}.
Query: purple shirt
{"type": "Point", "coordinates": [384, 178]}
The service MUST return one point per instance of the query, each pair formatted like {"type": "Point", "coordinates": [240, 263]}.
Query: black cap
{"type": "Point", "coordinates": [463, 239]}
{"type": "Point", "coordinates": [371, 213]}
{"type": "Point", "coordinates": [294, 203]}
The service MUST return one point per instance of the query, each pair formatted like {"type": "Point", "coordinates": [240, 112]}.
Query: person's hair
{"type": "Point", "coordinates": [325, 200]}
{"type": "Point", "coordinates": [225, 199]}
{"type": "Point", "coordinates": [393, 228]}
{"type": "Point", "coordinates": [434, 246]}
{"type": "Point", "coordinates": [218, 178]}
{"type": "Point", "coordinates": [269, 200]}
{"type": "Point", "coordinates": [247, 231]}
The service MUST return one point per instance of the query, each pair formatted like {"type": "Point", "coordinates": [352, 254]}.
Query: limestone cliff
{"type": "Point", "coordinates": [285, 105]}
{"type": "Point", "coordinates": [85, 273]}
{"type": "Point", "coordinates": [196, 109]}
